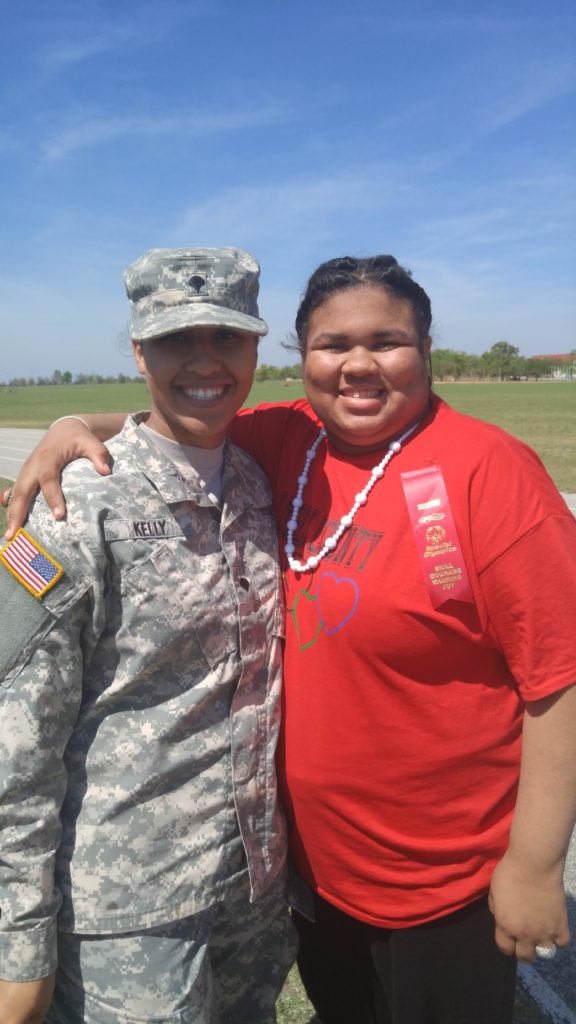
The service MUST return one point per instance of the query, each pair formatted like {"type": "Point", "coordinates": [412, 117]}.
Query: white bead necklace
{"type": "Point", "coordinates": [346, 520]}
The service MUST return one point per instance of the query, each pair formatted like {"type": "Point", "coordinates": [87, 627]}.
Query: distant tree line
{"type": "Point", "coordinates": [501, 362]}
{"type": "Point", "coordinates": [65, 377]}
{"type": "Point", "coordinates": [265, 372]}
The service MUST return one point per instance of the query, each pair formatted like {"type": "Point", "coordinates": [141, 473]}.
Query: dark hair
{"type": "Point", "coordinates": [375, 271]}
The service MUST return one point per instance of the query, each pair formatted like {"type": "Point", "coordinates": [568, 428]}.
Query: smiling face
{"type": "Point", "coordinates": [198, 380]}
{"type": "Point", "coordinates": [365, 367]}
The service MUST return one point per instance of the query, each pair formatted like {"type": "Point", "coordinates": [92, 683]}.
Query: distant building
{"type": "Point", "coordinates": [562, 367]}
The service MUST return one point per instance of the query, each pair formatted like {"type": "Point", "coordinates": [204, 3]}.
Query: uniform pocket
{"type": "Point", "coordinates": [200, 590]}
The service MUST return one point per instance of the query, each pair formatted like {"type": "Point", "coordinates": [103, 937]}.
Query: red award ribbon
{"type": "Point", "coordinates": [436, 537]}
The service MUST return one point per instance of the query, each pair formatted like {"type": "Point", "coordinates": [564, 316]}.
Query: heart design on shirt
{"type": "Point", "coordinates": [305, 618]}
{"type": "Point", "coordinates": [337, 601]}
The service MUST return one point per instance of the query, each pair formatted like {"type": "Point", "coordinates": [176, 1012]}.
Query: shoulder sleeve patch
{"type": "Point", "coordinates": [33, 567]}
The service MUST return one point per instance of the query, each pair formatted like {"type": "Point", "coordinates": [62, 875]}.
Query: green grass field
{"type": "Point", "coordinates": [542, 413]}
{"type": "Point", "coordinates": [38, 406]}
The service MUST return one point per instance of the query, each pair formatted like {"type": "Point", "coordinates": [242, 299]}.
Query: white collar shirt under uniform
{"type": "Point", "coordinates": [139, 704]}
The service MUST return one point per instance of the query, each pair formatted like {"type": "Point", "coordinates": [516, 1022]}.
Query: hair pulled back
{"type": "Point", "coordinates": [374, 271]}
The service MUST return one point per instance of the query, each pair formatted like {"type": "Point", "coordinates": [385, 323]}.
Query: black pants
{"type": "Point", "coordinates": [448, 971]}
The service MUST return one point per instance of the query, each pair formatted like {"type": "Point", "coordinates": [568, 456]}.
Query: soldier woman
{"type": "Point", "coordinates": [142, 850]}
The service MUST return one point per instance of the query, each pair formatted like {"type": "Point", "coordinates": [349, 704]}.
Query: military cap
{"type": "Point", "coordinates": [172, 289]}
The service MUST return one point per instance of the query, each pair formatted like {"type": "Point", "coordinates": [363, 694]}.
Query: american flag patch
{"type": "Point", "coordinates": [30, 564]}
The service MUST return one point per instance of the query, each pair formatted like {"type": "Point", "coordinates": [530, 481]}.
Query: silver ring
{"type": "Point", "coordinates": [546, 952]}
{"type": "Point", "coordinates": [5, 497]}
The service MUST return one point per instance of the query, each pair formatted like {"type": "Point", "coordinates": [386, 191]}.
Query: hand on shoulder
{"type": "Point", "coordinates": [66, 440]}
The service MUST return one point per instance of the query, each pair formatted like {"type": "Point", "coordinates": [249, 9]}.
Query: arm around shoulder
{"type": "Point", "coordinates": [69, 438]}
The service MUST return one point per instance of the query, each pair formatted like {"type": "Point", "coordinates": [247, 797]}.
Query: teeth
{"type": "Point", "coordinates": [363, 394]}
{"type": "Point", "coordinates": [203, 394]}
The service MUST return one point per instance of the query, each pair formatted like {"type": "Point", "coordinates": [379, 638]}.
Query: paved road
{"type": "Point", "coordinates": [15, 445]}
{"type": "Point", "coordinates": [552, 985]}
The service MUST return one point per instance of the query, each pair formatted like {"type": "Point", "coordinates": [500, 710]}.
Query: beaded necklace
{"type": "Point", "coordinates": [346, 520]}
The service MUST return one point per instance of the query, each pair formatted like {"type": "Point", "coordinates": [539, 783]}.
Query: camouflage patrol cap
{"type": "Point", "coordinates": [171, 289]}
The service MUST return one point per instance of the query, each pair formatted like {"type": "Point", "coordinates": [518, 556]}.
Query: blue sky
{"type": "Point", "coordinates": [440, 131]}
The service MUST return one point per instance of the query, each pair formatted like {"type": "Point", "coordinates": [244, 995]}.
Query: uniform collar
{"type": "Point", "coordinates": [242, 485]}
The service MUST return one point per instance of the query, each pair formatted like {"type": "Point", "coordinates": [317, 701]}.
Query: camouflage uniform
{"type": "Point", "coordinates": [140, 698]}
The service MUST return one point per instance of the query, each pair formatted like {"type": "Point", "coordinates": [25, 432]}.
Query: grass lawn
{"type": "Point", "coordinates": [293, 1006]}
{"type": "Point", "coordinates": [541, 413]}
{"type": "Point", "coordinates": [39, 406]}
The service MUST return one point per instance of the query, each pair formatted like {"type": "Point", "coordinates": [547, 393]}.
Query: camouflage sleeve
{"type": "Point", "coordinates": [40, 695]}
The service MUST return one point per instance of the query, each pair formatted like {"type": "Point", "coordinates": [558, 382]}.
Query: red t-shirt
{"type": "Point", "coordinates": [402, 721]}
